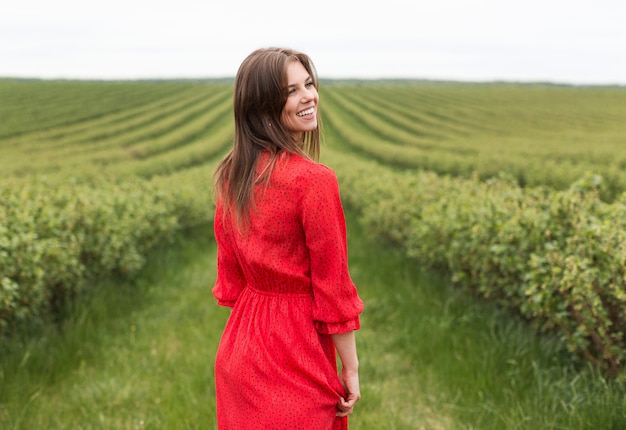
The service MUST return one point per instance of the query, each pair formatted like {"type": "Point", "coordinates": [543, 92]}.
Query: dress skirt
{"type": "Point", "coordinates": [273, 369]}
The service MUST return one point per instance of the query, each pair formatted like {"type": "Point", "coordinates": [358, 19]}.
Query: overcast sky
{"type": "Point", "coordinates": [567, 41]}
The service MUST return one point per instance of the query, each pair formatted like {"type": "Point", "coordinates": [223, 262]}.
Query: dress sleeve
{"type": "Point", "coordinates": [230, 279]}
{"type": "Point", "coordinates": [336, 304]}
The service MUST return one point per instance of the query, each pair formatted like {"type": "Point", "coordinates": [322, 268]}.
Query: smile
{"type": "Point", "coordinates": [306, 112]}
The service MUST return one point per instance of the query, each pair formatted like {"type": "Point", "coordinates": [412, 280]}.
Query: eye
{"type": "Point", "coordinates": [309, 84]}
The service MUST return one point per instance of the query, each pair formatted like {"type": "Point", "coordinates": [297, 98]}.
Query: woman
{"type": "Point", "coordinates": [282, 260]}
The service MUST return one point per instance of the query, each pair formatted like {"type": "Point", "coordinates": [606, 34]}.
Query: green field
{"type": "Point", "coordinates": [540, 134]}
{"type": "Point", "coordinates": [510, 195]}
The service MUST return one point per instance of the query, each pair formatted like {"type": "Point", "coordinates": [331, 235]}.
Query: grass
{"type": "Point", "coordinates": [139, 354]}
{"type": "Point", "coordinates": [434, 357]}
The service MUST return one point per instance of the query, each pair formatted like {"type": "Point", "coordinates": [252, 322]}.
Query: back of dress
{"type": "Point", "coordinates": [287, 280]}
{"type": "Point", "coordinates": [296, 242]}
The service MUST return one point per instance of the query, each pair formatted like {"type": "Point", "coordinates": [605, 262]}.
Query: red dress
{"type": "Point", "coordinates": [287, 281]}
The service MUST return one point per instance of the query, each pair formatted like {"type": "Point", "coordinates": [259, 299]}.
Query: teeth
{"type": "Point", "coordinates": [306, 112]}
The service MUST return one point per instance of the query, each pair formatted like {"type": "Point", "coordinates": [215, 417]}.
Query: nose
{"type": "Point", "coordinates": [308, 94]}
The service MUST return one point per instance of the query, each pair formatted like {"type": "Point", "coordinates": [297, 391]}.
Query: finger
{"type": "Point", "coordinates": [344, 407]}
{"type": "Point", "coordinates": [344, 412]}
{"type": "Point", "coordinates": [350, 403]}
{"type": "Point", "coordinates": [352, 399]}
{"type": "Point", "coordinates": [342, 404]}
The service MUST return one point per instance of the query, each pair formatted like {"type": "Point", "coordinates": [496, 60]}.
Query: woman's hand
{"type": "Point", "coordinates": [350, 381]}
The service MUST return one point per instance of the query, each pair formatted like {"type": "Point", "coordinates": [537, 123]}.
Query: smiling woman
{"type": "Point", "coordinates": [282, 263]}
{"type": "Point", "coordinates": [300, 111]}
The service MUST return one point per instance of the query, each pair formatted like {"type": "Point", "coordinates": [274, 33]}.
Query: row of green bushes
{"type": "Point", "coordinates": [54, 237]}
{"type": "Point", "coordinates": [558, 258]}
{"type": "Point", "coordinates": [537, 135]}
{"type": "Point", "coordinates": [32, 104]}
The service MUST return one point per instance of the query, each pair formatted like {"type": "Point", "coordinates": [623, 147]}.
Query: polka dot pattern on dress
{"type": "Point", "coordinates": [288, 283]}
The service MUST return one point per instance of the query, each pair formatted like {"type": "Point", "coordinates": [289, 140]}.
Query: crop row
{"type": "Point", "coordinates": [37, 105]}
{"type": "Point", "coordinates": [552, 136]}
{"type": "Point", "coordinates": [557, 258]}
{"type": "Point", "coordinates": [111, 125]}
{"type": "Point", "coordinates": [116, 184]}
{"type": "Point", "coordinates": [143, 133]}
{"type": "Point", "coordinates": [538, 134]}
{"type": "Point", "coordinates": [55, 237]}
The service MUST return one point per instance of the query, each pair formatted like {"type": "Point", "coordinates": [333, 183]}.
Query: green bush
{"type": "Point", "coordinates": [54, 237]}
{"type": "Point", "coordinates": [558, 258]}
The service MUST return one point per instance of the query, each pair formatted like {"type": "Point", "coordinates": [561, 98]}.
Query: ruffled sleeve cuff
{"type": "Point", "coordinates": [337, 328]}
{"type": "Point", "coordinates": [227, 303]}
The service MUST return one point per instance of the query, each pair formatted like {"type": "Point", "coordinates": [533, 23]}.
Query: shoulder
{"type": "Point", "coordinates": [305, 170]}
{"type": "Point", "coordinates": [302, 176]}
{"type": "Point", "coordinates": [314, 181]}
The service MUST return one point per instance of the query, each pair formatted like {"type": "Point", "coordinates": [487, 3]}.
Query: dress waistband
{"type": "Point", "coordinates": [278, 293]}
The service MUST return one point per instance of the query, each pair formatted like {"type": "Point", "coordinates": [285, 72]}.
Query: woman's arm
{"type": "Point", "coordinates": [345, 343]}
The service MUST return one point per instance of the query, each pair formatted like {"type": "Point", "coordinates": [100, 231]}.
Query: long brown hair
{"type": "Point", "coordinates": [260, 94]}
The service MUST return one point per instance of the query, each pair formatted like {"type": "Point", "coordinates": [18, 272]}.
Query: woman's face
{"type": "Point", "coordinates": [300, 111]}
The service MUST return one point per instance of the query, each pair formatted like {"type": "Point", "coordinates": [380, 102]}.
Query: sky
{"type": "Point", "coordinates": [572, 42]}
